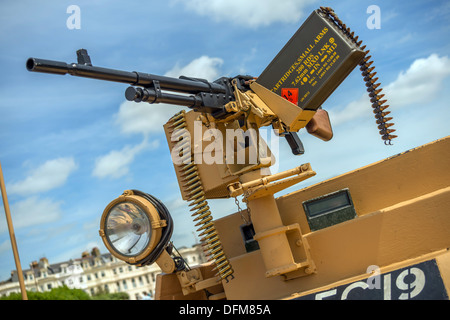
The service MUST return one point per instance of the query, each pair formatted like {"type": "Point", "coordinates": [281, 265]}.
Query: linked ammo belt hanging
{"type": "Point", "coordinates": [196, 196]}
{"type": "Point", "coordinates": [373, 88]}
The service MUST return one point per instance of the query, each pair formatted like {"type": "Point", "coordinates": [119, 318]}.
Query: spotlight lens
{"type": "Point", "coordinates": [128, 229]}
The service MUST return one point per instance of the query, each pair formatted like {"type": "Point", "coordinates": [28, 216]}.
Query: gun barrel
{"type": "Point", "coordinates": [133, 78]}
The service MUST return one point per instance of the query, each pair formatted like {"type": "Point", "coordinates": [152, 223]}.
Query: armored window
{"type": "Point", "coordinates": [329, 209]}
{"type": "Point", "coordinates": [248, 232]}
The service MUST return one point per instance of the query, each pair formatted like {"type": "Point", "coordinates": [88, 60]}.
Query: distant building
{"type": "Point", "coordinates": [94, 272]}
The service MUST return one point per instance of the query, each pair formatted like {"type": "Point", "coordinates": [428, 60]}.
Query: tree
{"type": "Point", "coordinates": [59, 293]}
{"type": "Point", "coordinates": [65, 293]}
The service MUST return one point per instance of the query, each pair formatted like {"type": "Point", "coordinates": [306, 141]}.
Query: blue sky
{"type": "Point", "coordinates": [68, 146]}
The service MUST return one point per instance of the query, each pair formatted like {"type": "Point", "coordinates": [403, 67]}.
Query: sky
{"type": "Point", "coordinates": [69, 146]}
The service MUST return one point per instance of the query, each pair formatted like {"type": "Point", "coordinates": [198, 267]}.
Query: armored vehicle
{"type": "Point", "coordinates": [378, 232]}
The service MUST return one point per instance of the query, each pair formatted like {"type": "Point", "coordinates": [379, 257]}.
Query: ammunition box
{"type": "Point", "coordinates": [312, 64]}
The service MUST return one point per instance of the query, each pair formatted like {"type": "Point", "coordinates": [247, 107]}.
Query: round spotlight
{"type": "Point", "coordinates": [136, 227]}
{"type": "Point", "coordinates": [128, 229]}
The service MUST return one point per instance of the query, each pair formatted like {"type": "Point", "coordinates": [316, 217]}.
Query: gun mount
{"type": "Point", "coordinates": [288, 96]}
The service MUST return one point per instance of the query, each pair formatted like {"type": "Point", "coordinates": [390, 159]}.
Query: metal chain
{"type": "Point", "coordinates": [236, 201]}
{"type": "Point", "coordinates": [246, 194]}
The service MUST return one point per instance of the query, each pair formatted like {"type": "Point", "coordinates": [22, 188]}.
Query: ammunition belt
{"type": "Point", "coordinates": [373, 88]}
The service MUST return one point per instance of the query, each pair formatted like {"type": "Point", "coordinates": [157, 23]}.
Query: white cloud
{"type": "Point", "coordinates": [176, 204]}
{"type": "Point", "coordinates": [116, 163]}
{"type": "Point", "coordinates": [420, 83]}
{"type": "Point", "coordinates": [204, 67]}
{"type": "Point", "coordinates": [50, 175]}
{"type": "Point", "coordinates": [78, 245]}
{"type": "Point", "coordinates": [143, 118]}
{"type": "Point", "coordinates": [351, 111]}
{"type": "Point", "coordinates": [5, 246]}
{"type": "Point", "coordinates": [33, 211]}
{"type": "Point", "coordinates": [251, 13]}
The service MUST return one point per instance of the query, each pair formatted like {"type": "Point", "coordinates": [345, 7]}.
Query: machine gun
{"type": "Point", "coordinates": [287, 95]}
{"type": "Point", "coordinates": [216, 98]}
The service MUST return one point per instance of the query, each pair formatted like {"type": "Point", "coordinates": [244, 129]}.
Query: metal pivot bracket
{"type": "Point", "coordinates": [188, 279]}
{"type": "Point", "coordinates": [193, 281]}
{"type": "Point", "coordinates": [283, 248]}
{"type": "Point", "coordinates": [301, 263]}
